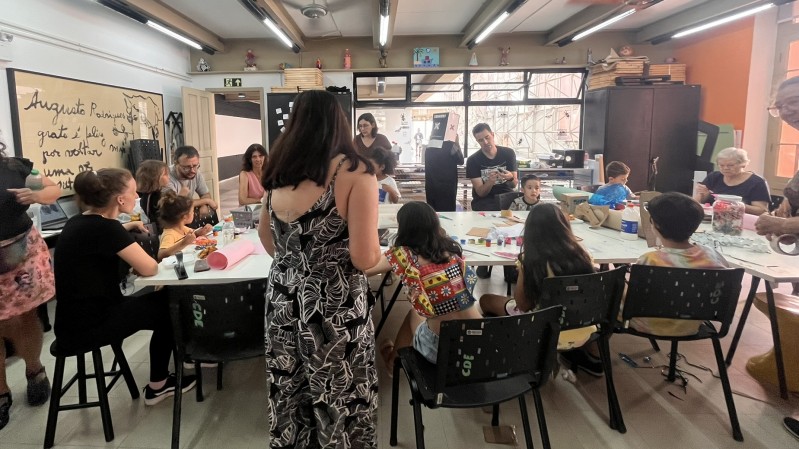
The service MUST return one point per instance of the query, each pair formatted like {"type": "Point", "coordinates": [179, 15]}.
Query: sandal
{"type": "Point", "coordinates": [388, 355]}
{"type": "Point", "coordinates": [5, 406]}
{"type": "Point", "coordinates": [38, 388]}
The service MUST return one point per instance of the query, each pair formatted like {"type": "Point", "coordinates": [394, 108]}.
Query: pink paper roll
{"type": "Point", "coordinates": [749, 221]}
{"type": "Point", "coordinates": [230, 254]}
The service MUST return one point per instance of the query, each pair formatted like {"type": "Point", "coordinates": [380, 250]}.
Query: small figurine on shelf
{"type": "Point", "coordinates": [318, 63]}
{"type": "Point", "coordinates": [203, 66]}
{"type": "Point", "coordinates": [249, 59]}
{"type": "Point", "coordinates": [473, 60]}
{"type": "Point", "coordinates": [561, 60]}
{"type": "Point", "coordinates": [626, 51]}
{"type": "Point", "coordinates": [383, 58]}
{"type": "Point", "coordinates": [284, 66]}
{"type": "Point", "coordinates": [347, 59]}
{"type": "Point", "coordinates": [670, 60]}
{"type": "Point", "coordinates": [503, 58]}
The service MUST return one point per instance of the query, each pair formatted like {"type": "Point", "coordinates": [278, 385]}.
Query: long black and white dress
{"type": "Point", "coordinates": [320, 351]}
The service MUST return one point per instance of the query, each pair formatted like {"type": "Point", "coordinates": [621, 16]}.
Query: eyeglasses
{"type": "Point", "coordinates": [194, 167]}
{"type": "Point", "coordinates": [789, 105]}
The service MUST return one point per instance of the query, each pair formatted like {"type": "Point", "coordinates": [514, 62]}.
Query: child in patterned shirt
{"type": "Point", "coordinates": [675, 217]}
{"type": "Point", "coordinates": [531, 187]}
{"type": "Point", "coordinates": [430, 265]}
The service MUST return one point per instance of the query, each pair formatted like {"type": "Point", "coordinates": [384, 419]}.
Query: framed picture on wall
{"type": "Point", "coordinates": [425, 57]}
{"type": "Point", "coordinates": [66, 126]}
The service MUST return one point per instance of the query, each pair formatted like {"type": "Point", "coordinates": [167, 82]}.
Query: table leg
{"type": "Point", "coordinates": [744, 314]}
{"type": "Point", "coordinates": [388, 308]}
{"type": "Point", "coordinates": [775, 334]}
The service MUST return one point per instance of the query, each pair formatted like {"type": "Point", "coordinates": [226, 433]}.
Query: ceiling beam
{"type": "Point", "coordinates": [490, 10]}
{"type": "Point", "coordinates": [173, 19]}
{"type": "Point", "coordinates": [665, 28]}
{"type": "Point", "coordinates": [392, 14]}
{"type": "Point", "coordinates": [588, 17]}
{"type": "Point", "coordinates": [283, 20]}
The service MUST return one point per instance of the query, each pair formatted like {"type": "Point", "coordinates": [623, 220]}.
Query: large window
{"type": "Point", "coordinates": [534, 111]}
{"type": "Point", "coordinates": [782, 155]}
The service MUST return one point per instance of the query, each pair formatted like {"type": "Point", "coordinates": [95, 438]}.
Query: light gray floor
{"type": "Point", "coordinates": [576, 414]}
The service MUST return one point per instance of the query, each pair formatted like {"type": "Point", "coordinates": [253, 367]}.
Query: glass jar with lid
{"type": "Point", "coordinates": [728, 214]}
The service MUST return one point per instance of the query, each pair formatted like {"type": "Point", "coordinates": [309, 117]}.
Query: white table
{"type": "Point", "coordinates": [254, 266]}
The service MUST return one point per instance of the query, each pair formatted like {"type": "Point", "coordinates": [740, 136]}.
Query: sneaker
{"type": "Point", "coordinates": [579, 359]}
{"type": "Point", "coordinates": [38, 388]}
{"type": "Point", "coordinates": [482, 272]}
{"type": "Point", "coordinates": [792, 425]}
{"type": "Point", "coordinates": [5, 407]}
{"type": "Point", "coordinates": [152, 397]}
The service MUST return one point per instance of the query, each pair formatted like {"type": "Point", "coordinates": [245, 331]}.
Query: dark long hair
{"type": "Point", "coordinates": [548, 238]}
{"type": "Point", "coordinates": [247, 162]}
{"type": "Point", "coordinates": [369, 118]}
{"type": "Point", "coordinates": [420, 230]}
{"type": "Point", "coordinates": [172, 207]}
{"type": "Point", "coordinates": [98, 189]}
{"type": "Point", "coordinates": [317, 131]}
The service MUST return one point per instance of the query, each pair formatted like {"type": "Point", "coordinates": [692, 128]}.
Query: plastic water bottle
{"type": "Point", "coordinates": [228, 231]}
{"type": "Point", "coordinates": [629, 223]}
{"type": "Point", "coordinates": [34, 180]}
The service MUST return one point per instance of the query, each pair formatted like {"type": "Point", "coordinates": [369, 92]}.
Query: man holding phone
{"type": "Point", "coordinates": [492, 170]}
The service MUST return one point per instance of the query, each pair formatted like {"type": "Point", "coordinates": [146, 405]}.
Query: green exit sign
{"type": "Point", "coordinates": [232, 82]}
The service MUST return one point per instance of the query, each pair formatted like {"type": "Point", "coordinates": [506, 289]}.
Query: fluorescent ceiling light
{"type": "Point", "coordinates": [278, 32]}
{"type": "Point", "coordinates": [604, 24]}
{"type": "Point", "coordinates": [175, 35]}
{"type": "Point", "coordinates": [724, 20]}
{"type": "Point", "coordinates": [383, 30]}
{"type": "Point", "coordinates": [491, 27]}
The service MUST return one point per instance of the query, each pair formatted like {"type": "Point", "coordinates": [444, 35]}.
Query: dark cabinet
{"type": "Point", "coordinates": [635, 124]}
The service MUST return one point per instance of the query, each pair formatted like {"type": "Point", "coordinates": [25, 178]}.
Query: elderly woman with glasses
{"type": "Point", "coordinates": [732, 179]}
{"type": "Point", "coordinates": [368, 137]}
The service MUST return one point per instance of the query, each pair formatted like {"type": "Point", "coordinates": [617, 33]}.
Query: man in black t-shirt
{"type": "Point", "coordinates": [492, 170]}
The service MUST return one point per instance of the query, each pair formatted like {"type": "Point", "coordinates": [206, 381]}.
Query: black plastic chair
{"type": "Point", "coordinates": [215, 323]}
{"type": "Point", "coordinates": [707, 295]}
{"type": "Point", "coordinates": [505, 199]}
{"type": "Point", "coordinates": [99, 375]}
{"type": "Point", "coordinates": [479, 364]}
{"type": "Point", "coordinates": [588, 300]}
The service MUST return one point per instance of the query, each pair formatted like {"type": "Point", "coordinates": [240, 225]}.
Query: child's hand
{"type": "Point", "coordinates": [203, 231]}
{"type": "Point", "coordinates": [188, 239]}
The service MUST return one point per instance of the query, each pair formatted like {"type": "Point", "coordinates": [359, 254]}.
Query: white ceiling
{"type": "Point", "coordinates": [350, 18]}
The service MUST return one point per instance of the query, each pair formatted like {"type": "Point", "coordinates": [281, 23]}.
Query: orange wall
{"type": "Point", "coordinates": [719, 60]}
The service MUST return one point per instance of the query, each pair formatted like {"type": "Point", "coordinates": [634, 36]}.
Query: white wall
{"type": "Point", "coordinates": [235, 134]}
{"type": "Point", "coordinates": [83, 40]}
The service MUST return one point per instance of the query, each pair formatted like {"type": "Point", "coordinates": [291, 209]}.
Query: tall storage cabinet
{"type": "Point", "coordinates": [635, 124]}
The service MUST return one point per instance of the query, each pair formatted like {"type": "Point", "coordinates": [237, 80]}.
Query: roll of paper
{"type": "Point", "coordinates": [782, 244]}
{"type": "Point", "coordinates": [230, 254]}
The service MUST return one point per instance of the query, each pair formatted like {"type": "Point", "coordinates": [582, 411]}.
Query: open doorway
{"type": "Point", "coordinates": [239, 123]}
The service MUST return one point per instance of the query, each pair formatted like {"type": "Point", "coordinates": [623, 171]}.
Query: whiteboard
{"type": "Point", "coordinates": [67, 126]}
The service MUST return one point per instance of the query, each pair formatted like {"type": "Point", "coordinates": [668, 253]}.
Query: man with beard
{"type": "Point", "coordinates": [186, 180]}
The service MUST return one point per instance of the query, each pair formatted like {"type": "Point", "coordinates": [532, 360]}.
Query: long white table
{"type": "Point", "coordinates": [254, 266]}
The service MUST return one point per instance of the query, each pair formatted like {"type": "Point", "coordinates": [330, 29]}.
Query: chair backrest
{"type": "Point", "coordinates": [683, 293]}
{"type": "Point", "coordinates": [505, 199]}
{"type": "Point", "coordinates": [219, 322]}
{"type": "Point", "coordinates": [474, 351]}
{"type": "Point", "coordinates": [587, 299]}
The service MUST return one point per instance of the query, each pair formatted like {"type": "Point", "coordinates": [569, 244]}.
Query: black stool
{"type": "Point", "coordinates": [80, 377]}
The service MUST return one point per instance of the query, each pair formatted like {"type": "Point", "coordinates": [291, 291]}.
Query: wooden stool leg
{"type": "Point", "coordinates": [55, 401]}
{"type": "Point", "coordinates": [102, 394]}
{"type": "Point", "coordinates": [80, 359]}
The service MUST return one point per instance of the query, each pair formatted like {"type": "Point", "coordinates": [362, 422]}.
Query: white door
{"type": "Point", "coordinates": [200, 132]}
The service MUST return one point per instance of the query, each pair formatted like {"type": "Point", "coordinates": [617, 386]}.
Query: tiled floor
{"type": "Point", "coordinates": [576, 413]}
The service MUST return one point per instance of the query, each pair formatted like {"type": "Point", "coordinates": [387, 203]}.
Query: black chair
{"type": "Point", "coordinates": [99, 375]}
{"type": "Point", "coordinates": [215, 323]}
{"type": "Point", "coordinates": [479, 364]}
{"type": "Point", "coordinates": [588, 300]}
{"type": "Point", "coordinates": [505, 199]}
{"type": "Point", "coordinates": [706, 295]}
